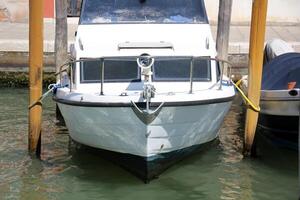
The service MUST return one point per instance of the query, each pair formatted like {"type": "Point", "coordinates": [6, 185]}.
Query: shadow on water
{"type": "Point", "coordinates": [68, 171]}
{"type": "Point", "coordinates": [96, 168]}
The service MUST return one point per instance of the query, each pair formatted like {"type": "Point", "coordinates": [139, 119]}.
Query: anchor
{"type": "Point", "coordinates": [147, 116]}
{"type": "Point", "coordinates": [145, 62]}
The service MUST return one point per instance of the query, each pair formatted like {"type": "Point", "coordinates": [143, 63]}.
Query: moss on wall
{"type": "Point", "coordinates": [21, 79]}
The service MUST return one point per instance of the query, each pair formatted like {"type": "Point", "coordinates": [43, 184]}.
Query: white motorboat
{"type": "Point", "coordinates": [146, 85]}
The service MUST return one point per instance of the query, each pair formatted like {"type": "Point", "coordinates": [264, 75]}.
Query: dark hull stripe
{"type": "Point", "coordinates": [281, 124]}
{"type": "Point", "coordinates": [148, 168]}
{"type": "Point", "coordinates": [152, 104]}
{"type": "Point", "coordinates": [282, 130]}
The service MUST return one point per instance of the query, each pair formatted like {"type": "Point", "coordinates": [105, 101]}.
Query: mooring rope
{"type": "Point", "coordinates": [51, 88]}
{"type": "Point", "coordinates": [248, 101]}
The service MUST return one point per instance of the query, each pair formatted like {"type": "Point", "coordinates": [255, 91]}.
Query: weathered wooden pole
{"type": "Point", "coordinates": [224, 18]}
{"type": "Point", "coordinates": [61, 41]}
{"type": "Point", "coordinates": [61, 33]}
{"type": "Point", "coordinates": [36, 9]}
{"type": "Point", "coordinates": [257, 38]}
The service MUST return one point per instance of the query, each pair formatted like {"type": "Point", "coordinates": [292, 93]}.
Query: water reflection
{"type": "Point", "coordinates": [235, 180]}
{"type": "Point", "coordinates": [69, 171]}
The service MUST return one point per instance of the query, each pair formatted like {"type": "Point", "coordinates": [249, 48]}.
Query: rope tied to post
{"type": "Point", "coordinates": [254, 107]}
{"type": "Point", "coordinates": [51, 88]}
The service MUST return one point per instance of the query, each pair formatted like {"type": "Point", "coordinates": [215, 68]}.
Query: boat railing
{"type": "Point", "coordinates": [226, 66]}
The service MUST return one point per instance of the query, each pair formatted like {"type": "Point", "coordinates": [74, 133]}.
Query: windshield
{"type": "Point", "coordinates": [121, 69]}
{"type": "Point", "coordinates": [143, 11]}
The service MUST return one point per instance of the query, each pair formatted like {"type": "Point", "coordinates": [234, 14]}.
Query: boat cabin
{"type": "Point", "coordinates": [112, 34]}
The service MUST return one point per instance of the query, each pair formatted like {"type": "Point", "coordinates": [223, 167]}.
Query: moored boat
{"type": "Point", "coordinates": [280, 99]}
{"type": "Point", "coordinates": [145, 85]}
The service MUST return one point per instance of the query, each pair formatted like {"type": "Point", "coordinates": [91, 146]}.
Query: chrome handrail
{"type": "Point", "coordinates": [102, 76]}
{"type": "Point", "coordinates": [229, 65]}
{"type": "Point", "coordinates": [71, 77]}
{"type": "Point", "coordinates": [101, 59]}
{"type": "Point", "coordinates": [191, 75]}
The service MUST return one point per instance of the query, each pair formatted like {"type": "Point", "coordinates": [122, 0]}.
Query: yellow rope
{"type": "Point", "coordinates": [239, 82]}
{"type": "Point", "coordinates": [249, 102]}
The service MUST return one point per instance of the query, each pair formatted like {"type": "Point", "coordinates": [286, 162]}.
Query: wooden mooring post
{"type": "Point", "coordinates": [224, 18]}
{"type": "Point", "coordinates": [61, 42]}
{"type": "Point", "coordinates": [36, 8]}
{"type": "Point", "coordinates": [61, 33]}
{"type": "Point", "coordinates": [257, 38]}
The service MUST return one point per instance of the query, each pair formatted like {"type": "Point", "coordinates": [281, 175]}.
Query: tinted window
{"type": "Point", "coordinates": [168, 70]}
{"type": "Point", "coordinates": [143, 11]}
{"type": "Point", "coordinates": [114, 71]}
{"type": "Point", "coordinates": [201, 70]}
{"type": "Point", "coordinates": [121, 70]}
{"type": "Point", "coordinates": [179, 70]}
{"type": "Point", "coordinates": [90, 71]}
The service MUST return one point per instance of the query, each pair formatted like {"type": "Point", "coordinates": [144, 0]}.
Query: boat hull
{"type": "Point", "coordinates": [119, 129]}
{"type": "Point", "coordinates": [175, 133]}
{"type": "Point", "coordinates": [279, 116]}
{"type": "Point", "coordinates": [282, 130]}
{"type": "Point", "coordinates": [280, 102]}
{"type": "Point", "coordinates": [146, 168]}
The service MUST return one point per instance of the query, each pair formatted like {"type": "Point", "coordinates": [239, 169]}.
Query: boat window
{"type": "Point", "coordinates": [114, 71]}
{"type": "Point", "coordinates": [179, 70]}
{"type": "Point", "coordinates": [143, 11]}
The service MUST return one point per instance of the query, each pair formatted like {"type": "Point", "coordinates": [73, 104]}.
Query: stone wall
{"type": "Point", "coordinates": [279, 11]}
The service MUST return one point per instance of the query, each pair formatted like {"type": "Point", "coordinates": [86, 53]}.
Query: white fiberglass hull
{"type": "Point", "coordinates": [118, 129]}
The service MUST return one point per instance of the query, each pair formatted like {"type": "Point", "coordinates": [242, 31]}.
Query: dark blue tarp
{"type": "Point", "coordinates": [280, 71]}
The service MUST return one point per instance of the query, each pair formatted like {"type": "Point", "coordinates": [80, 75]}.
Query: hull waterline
{"type": "Point", "coordinates": [148, 168]}
{"type": "Point", "coordinates": [281, 130]}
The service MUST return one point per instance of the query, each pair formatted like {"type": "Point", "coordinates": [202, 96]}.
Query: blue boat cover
{"type": "Point", "coordinates": [280, 71]}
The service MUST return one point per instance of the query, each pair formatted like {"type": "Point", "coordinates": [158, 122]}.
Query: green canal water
{"type": "Point", "coordinates": [68, 172]}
